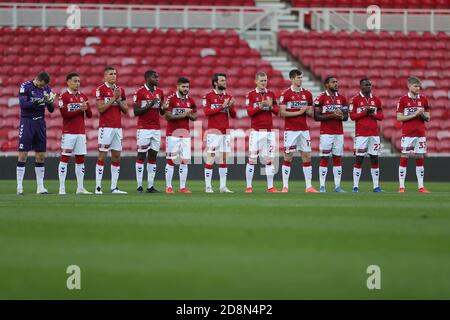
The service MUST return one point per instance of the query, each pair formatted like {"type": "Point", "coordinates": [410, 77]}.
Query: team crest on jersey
{"type": "Point", "coordinates": [73, 107]}
{"type": "Point", "coordinates": [22, 89]}
{"type": "Point", "coordinates": [419, 104]}
{"type": "Point", "coordinates": [281, 99]}
{"type": "Point", "coordinates": [188, 104]}
{"type": "Point", "coordinates": [303, 97]}
{"type": "Point", "coordinates": [61, 103]}
{"type": "Point", "coordinates": [372, 103]}
{"type": "Point", "coordinates": [204, 102]}
{"type": "Point", "coordinates": [97, 93]}
{"type": "Point", "coordinates": [134, 98]}
{"type": "Point", "coordinates": [247, 101]}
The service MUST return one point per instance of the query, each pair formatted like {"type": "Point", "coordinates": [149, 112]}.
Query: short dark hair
{"type": "Point", "coordinates": [107, 68]}
{"type": "Point", "coordinates": [327, 79]}
{"type": "Point", "coordinates": [413, 80]}
{"type": "Point", "coordinates": [183, 80]}
{"type": "Point", "coordinates": [216, 76]}
{"type": "Point", "coordinates": [149, 74]}
{"type": "Point", "coordinates": [70, 75]}
{"type": "Point", "coordinates": [43, 76]}
{"type": "Point", "coordinates": [294, 73]}
{"type": "Point", "coordinates": [362, 80]}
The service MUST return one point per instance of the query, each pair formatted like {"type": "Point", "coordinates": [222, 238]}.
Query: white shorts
{"type": "Point", "coordinates": [262, 143]}
{"type": "Point", "coordinates": [218, 143]}
{"type": "Point", "coordinates": [367, 145]}
{"type": "Point", "coordinates": [331, 144]}
{"type": "Point", "coordinates": [109, 139]}
{"type": "Point", "coordinates": [73, 144]}
{"type": "Point", "coordinates": [297, 140]}
{"type": "Point", "coordinates": [414, 145]}
{"type": "Point", "coordinates": [148, 139]}
{"type": "Point", "coordinates": [178, 146]}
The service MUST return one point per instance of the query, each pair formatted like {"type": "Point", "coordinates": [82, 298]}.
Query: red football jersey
{"type": "Point", "coordinates": [408, 106]}
{"type": "Point", "coordinates": [73, 117]}
{"type": "Point", "coordinates": [218, 117]}
{"type": "Point", "coordinates": [111, 118]}
{"type": "Point", "coordinates": [150, 119]}
{"type": "Point", "coordinates": [327, 104]}
{"type": "Point", "coordinates": [366, 125]}
{"type": "Point", "coordinates": [260, 119]}
{"type": "Point", "coordinates": [177, 106]}
{"type": "Point", "coordinates": [294, 101]}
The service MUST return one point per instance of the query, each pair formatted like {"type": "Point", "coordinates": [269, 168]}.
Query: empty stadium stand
{"type": "Point", "coordinates": [400, 4]}
{"type": "Point", "coordinates": [387, 59]}
{"type": "Point", "coordinates": [172, 53]}
{"type": "Point", "coordinates": [249, 3]}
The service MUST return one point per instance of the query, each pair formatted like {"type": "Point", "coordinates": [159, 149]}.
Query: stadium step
{"type": "Point", "coordinates": [284, 65]}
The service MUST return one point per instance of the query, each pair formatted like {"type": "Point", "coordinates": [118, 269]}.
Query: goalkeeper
{"type": "Point", "coordinates": [34, 97]}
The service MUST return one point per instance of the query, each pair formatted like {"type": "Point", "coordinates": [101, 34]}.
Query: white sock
{"type": "Point", "coordinates": [139, 173]}
{"type": "Point", "coordinates": [151, 172]}
{"type": "Point", "coordinates": [223, 172]}
{"type": "Point", "coordinates": [62, 173]}
{"type": "Point", "coordinates": [20, 172]}
{"type": "Point", "coordinates": [183, 172]}
{"type": "Point", "coordinates": [249, 170]}
{"type": "Point", "coordinates": [420, 172]}
{"type": "Point", "coordinates": [169, 175]}
{"type": "Point", "coordinates": [356, 176]}
{"type": "Point", "coordinates": [323, 175]}
{"type": "Point", "coordinates": [270, 172]}
{"type": "Point", "coordinates": [98, 175]}
{"type": "Point", "coordinates": [337, 173]}
{"type": "Point", "coordinates": [286, 170]}
{"type": "Point", "coordinates": [40, 171]}
{"type": "Point", "coordinates": [401, 176]}
{"type": "Point", "coordinates": [375, 172]}
{"type": "Point", "coordinates": [307, 172]}
{"type": "Point", "coordinates": [208, 177]}
{"type": "Point", "coordinates": [79, 173]}
{"type": "Point", "coordinates": [115, 170]}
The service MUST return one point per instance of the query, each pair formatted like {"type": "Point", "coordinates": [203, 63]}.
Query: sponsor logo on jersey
{"type": "Point", "coordinates": [296, 104]}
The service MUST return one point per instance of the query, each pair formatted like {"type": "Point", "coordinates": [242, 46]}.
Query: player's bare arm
{"type": "Point", "coordinates": [140, 111]}
{"type": "Point", "coordinates": [425, 116]}
{"type": "Point", "coordinates": [191, 115]}
{"type": "Point", "coordinates": [401, 117]}
{"type": "Point", "coordinates": [344, 111]}
{"type": "Point", "coordinates": [318, 116]}
{"type": "Point", "coordinates": [286, 114]}
{"type": "Point", "coordinates": [123, 106]}
{"type": "Point", "coordinates": [171, 117]}
{"type": "Point", "coordinates": [102, 106]}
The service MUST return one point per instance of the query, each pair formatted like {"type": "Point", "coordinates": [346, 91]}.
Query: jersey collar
{"type": "Point", "coordinates": [363, 96]}
{"type": "Point", "coordinates": [262, 91]}
{"type": "Point", "coordinates": [411, 97]}
{"type": "Point", "coordinates": [148, 89]}
{"type": "Point", "coordinates": [300, 89]}
{"type": "Point", "coordinates": [178, 96]}
{"type": "Point", "coordinates": [223, 93]}
{"type": "Point", "coordinates": [75, 92]}
{"type": "Point", "coordinates": [328, 94]}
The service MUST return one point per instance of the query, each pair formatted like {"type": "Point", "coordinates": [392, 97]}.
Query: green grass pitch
{"type": "Point", "coordinates": [225, 246]}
